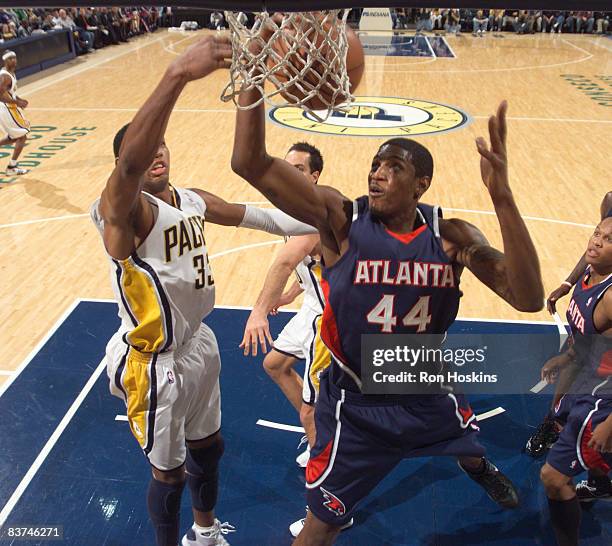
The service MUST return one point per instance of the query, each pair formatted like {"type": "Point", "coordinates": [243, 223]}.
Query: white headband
{"type": "Point", "coordinates": [8, 55]}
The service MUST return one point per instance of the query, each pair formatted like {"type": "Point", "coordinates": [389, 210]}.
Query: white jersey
{"type": "Point", "coordinates": [165, 288]}
{"type": "Point", "coordinates": [13, 90]}
{"type": "Point", "coordinates": [308, 273]}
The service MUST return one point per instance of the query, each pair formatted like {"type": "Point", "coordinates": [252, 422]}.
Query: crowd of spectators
{"type": "Point", "coordinates": [521, 22]}
{"type": "Point", "coordinates": [92, 28]}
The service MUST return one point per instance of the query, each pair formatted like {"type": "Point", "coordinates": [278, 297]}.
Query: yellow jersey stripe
{"type": "Point", "coordinates": [147, 305]}
{"type": "Point", "coordinates": [16, 115]}
{"type": "Point", "coordinates": [139, 382]}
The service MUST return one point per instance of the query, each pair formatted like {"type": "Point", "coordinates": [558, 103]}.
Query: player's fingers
{"type": "Point", "coordinates": [224, 63]}
{"type": "Point", "coordinates": [501, 120]}
{"type": "Point", "coordinates": [268, 336]}
{"type": "Point", "coordinates": [550, 305]}
{"type": "Point", "coordinates": [483, 149]}
{"type": "Point", "coordinates": [496, 145]}
{"type": "Point", "coordinates": [262, 341]}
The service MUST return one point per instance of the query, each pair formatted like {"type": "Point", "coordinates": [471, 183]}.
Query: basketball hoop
{"type": "Point", "coordinates": [302, 54]}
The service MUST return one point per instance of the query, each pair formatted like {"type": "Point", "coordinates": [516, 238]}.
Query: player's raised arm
{"type": "Point", "coordinates": [514, 274]}
{"type": "Point", "coordinates": [121, 205]}
{"type": "Point", "coordinates": [285, 186]}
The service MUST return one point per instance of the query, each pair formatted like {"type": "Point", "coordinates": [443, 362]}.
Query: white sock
{"type": "Point", "coordinates": [203, 530]}
{"type": "Point", "coordinates": [12, 163]}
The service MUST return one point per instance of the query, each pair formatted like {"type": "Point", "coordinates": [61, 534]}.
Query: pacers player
{"type": "Point", "coordinates": [11, 118]}
{"type": "Point", "coordinates": [164, 362]}
{"type": "Point", "coordinates": [300, 339]}
{"type": "Point", "coordinates": [370, 247]}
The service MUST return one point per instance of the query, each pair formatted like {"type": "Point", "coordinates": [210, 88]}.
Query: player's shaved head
{"type": "Point", "coordinates": [119, 139]}
{"type": "Point", "coordinates": [418, 155]}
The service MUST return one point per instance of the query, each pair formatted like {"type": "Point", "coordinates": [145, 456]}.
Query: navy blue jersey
{"type": "Point", "coordinates": [593, 349]}
{"type": "Point", "coordinates": [386, 283]}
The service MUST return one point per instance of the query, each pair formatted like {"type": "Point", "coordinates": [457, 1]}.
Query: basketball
{"type": "Point", "coordinates": [355, 65]}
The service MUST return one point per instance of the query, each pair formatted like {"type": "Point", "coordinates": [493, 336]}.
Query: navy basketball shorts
{"type": "Point", "coordinates": [570, 454]}
{"type": "Point", "coordinates": [359, 443]}
{"type": "Point", "coordinates": [564, 407]}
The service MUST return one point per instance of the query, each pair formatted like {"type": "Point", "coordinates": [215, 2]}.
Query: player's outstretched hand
{"type": "Point", "coordinates": [555, 295]}
{"type": "Point", "coordinates": [494, 159]}
{"type": "Point", "coordinates": [601, 440]}
{"type": "Point", "coordinates": [205, 56]}
{"type": "Point", "coordinates": [256, 331]}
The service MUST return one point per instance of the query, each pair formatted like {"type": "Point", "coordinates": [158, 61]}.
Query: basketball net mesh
{"type": "Point", "coordinates": [302, 54]}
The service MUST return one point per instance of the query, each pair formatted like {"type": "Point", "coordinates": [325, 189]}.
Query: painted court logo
{"type": "Point", "coordinates": [377, 117]}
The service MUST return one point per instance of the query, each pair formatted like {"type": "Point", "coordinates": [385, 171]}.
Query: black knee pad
{"type": "Point", "coordinates": [164, 505]}
{"type": "Point", "coordinates": [202, 466]}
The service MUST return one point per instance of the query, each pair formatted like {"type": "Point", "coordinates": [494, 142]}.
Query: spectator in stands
{"type": "Point", "coordinates": [423, 20]}
{"type": "Point", "coordinates": [546, 22]}
{"type": "Point", "coordinates": [402, 18]}
{"type": "Point", "coordinates": [120, 23]}
{"type": "Point", "coordinates": [585, 22]}
{"type": "Point", "coordinates": [509, 18]}
{"type": "Point", "coordinates": [453, 22]}
{"type": "Point", "coordinates": [20, 30]}
{"type": "Point", "coordinates": [479, 22]}
{"type": "Point", "coordinates": [135, 22]}
{"type": "Point", "coordinates": [570, 21]}
{"type": "Point", "coordinates": [8, 32]}
{"type": "Point", "coordinates": [166, 17]}
{"type": "Point", "coordinates": [84, 39]}
{"type": "Point", "coordinates": [436, 19]}
{"type": "Point", "coordinates": [217, 21]}
{"type": "Point", "coordinates": [35, 26]}
{"type": "Point", "coordinates": [496, 17]}
{"type": "Point", "coordinates": [558, 25]}
{"type": "Point", "coordinates": [106, 20]}
{"type": "Point", "coordinates": [603, 22]}
{"type": "Point", "coordinates": [48, 23]}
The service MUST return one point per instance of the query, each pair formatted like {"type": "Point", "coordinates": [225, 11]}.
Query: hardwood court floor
{"type": "Point", "coordinates": [559, 145]}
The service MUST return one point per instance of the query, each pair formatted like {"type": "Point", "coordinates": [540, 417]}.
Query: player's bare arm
{"type": "Point", "coordinates": [286, 187]}
{"type": "Point", "coordinates": [257, 328]}
{"type": "Point", "coordinates": [5, 86]}
{"type": "Point", "coordinates": [564, 288]}
{"type": "Point", "coordinates": [513, 274]}
{"type": "Point", "coordinates": [128, 217]}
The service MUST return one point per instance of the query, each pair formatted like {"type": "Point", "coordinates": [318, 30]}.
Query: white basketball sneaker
{"type": "Point", "coordinates": [213, 536]}
{"type": "Point", "coordinates": [303, 458]}
{"type": "Point", "coordinates": [296, 528]}
{"type": "Point", "coordinates": [16, 170]}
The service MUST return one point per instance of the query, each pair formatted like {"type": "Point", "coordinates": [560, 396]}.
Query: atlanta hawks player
{"type": "Point", "coordinates": [372, 249]}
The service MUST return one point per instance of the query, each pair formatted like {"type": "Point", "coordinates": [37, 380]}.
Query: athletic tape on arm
{"type": "Point", "coordinates": [274, 221]}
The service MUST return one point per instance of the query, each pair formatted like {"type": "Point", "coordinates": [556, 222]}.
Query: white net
{"type": "Point", "coordinates": [302, 55]}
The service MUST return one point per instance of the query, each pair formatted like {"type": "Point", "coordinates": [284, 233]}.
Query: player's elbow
{"type": "Point", "coordinates": [251, 167]}
{"type": "Point", "coordinates": [530, 305]}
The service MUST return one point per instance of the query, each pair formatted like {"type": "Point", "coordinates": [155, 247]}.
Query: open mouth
{"type": "Point", "coordinates": [592, 253]}
{"type": "Point", "coordinates": [158, 169]}
{"type": "Point", "coordinates": [375, 191]}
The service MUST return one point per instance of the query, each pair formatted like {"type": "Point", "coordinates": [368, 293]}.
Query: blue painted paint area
{"type": "Point", "coordinates": [440, 46]}
{"type": "Point", "coordinates": [402, 45]}
{"type": "Point", "coordinates": [94, 480]}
